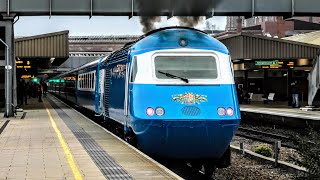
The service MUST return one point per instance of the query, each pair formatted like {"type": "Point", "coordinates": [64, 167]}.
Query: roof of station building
{"type": "Point", "coordinates": [248, 46]}
{"type": "Point", "coordinates": [43, 46]}
{"type": "Point", "coordinates": [309, 38]}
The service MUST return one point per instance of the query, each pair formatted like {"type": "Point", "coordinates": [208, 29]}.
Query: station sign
{"type": "Point", "coordinates": [275, 64]}
{"type": "Point", "coordinates": [56, 80]}
{"type": "Point", "coordinates": [27, 76]}
{"type": "Point", "coordinates": [70, 78]}
{"type": "Point", "coordinates": [23, 64]}
{"type": "Point", "coordinates": [266, 63]}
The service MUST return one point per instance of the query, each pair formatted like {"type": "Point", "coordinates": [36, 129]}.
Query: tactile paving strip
{"type": "Point", "coordinates": [107, 165]}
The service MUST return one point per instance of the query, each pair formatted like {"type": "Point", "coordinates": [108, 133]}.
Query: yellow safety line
{"type": "Point", "coordinates": [66, 149]}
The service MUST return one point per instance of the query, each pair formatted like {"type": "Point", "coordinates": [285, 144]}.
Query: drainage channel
{"type": "Point", "coordinates": [107, 165]}
{"type": "Point", "coordinates": [23, 115]}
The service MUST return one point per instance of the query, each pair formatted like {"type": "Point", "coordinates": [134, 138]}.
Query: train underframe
{"type": "Point", "coordinates": [208, 165]}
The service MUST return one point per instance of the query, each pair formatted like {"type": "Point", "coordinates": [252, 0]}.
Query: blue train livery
{"type": "Point", "coordinates": [172, 90]}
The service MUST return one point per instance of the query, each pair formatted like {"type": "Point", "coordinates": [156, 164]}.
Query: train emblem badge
{"type": "Point", "coordinates": [189, 98]}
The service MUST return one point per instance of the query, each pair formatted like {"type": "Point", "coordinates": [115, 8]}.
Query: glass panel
{"type": "Point", "coordinates": [134, 70]}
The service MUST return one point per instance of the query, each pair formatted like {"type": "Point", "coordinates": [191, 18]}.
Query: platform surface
{"type": "Point", "coordinates": [280, 110]}
{"type": "Point", "coordinates": [54, 141]}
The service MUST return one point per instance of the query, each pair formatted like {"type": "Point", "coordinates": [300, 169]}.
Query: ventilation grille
{"type": "Point", "coordinates": [120, 55]}
{"type": "Point", "coordinates": [191, 111]}
{"type": "Point", "coordinates": [107, 92]}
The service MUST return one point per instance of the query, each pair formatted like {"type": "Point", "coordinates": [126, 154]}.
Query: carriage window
{"type": "Point", "coordinates": [190, 67]}
{"type": "Point", "coordinates": [89, 86]}
{"type": "Point", "coordinates": [87, 81]}
{"type": "Point", "coordinates": [92, 80]}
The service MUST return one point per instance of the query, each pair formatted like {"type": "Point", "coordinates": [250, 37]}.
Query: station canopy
{"type": "Point", "coordinates": [48, 49]}
{"type": "Point", "coordinates": [35, 54]}
{"type": "Point", "coordinates": [248, 49]}
{"type": "Point", "coordinates": [245, 46]}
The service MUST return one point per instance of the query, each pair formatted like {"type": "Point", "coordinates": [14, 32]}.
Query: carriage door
{"type": "Point", "coordinates": [100, 91]}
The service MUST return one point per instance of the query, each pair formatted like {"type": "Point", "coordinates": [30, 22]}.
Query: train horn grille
{"type": "Point", "coordinates": [191, 111]}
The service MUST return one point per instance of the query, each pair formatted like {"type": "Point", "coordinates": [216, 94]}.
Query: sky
{"type": "Point", "coordinates": [97, 25]}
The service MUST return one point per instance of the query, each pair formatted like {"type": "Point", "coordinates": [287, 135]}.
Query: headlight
{"type": "Point", "coordinates": [150, 111]}
{"type": "Point", "coordinates": [221, 111]}
{"type": "Point", "coordinates": [230, 111]}
{"type": "Point", "coordinates": [160, 111]}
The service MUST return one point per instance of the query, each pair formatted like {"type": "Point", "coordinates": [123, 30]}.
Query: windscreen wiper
{"type": "Point", "coordinates": [174, 76]}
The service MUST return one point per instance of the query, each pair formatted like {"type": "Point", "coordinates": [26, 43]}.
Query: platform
{"type": "Point", "coordinates": [282, 113]}
{"type": "Point", "coordinates": [53, 141]}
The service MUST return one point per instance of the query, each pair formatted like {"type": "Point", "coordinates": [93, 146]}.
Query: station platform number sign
{"type": "Point", "coordinates": [275, 64]}
{"type": "Point", "coordinates": [266, 63]}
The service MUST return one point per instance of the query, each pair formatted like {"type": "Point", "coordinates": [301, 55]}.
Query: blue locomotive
{"type": "Point", "coordinates": [172, 90]}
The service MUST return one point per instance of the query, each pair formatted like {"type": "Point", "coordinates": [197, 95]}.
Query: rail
{"type": "Point", "coordinates": [265, 137]}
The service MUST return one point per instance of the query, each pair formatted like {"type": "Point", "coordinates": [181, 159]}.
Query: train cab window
{"type": "Point", "coordinates": [190, 67]}
{"type": "Point", "coordinates": [134, 69]}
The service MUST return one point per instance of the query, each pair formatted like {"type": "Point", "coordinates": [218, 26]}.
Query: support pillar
{"type": "Point", "coordinates": [10, 75]}
{"type": "Point", "coordinates": [246, 80]}
{"type": "Point", "coordinates": [265, 80]}
{"type": "Point", "coordinates": [239, 24]}
{"type": "Point", "coordinates": [289, 81]}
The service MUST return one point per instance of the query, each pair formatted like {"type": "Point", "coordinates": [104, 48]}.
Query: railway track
{"type": "Point", "coordinates": [266, 137]}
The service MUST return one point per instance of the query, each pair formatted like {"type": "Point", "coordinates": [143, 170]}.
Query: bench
{"type": "Point", "coordinates": [269, 98]}
{"type": "Point", "coordinates": [248, 99]}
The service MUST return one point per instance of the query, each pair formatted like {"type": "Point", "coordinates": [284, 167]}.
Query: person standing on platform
{"type": "Point", "coordinates": [20, 93]}
{"type": "Point", "coordinates": [295, 94]}
{"type": "Point", "coordinates": [44, 87]}
{"type": "Point", "coordinates": [25, 90]}
{"type": "Point", "coordinates": [240, 95]}
{"type": "Point", "coordinates": [40, 91]}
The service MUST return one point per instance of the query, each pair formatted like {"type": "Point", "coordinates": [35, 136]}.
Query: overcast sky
{"type": "Point", "coordinates": [99, 25]}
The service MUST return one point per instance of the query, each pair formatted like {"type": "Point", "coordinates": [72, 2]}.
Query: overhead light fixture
{"type": "Point", "coordinates": [307, 70]}
{"type": "Point", "coordinates": [256, 70]}
{"type": "Point", "coordinates": [247, 59]}
{"type": "Point", "coordinates": [236, 60]}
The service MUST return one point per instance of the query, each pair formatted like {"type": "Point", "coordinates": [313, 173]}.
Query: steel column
{"type": "Point", "coordinates": [8, 7]}
{"type": "Point", "coordinates": [10, 66]}
{"type": "Point", "coordinates": [7, 92]}
{"type": "Point", "coordinates": [14, 69]}
{"type": "Point", "coordinates": [91, 7]}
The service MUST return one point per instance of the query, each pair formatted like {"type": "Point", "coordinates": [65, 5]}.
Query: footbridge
{"type": "Point", "coordinates": [165, 7]}
{"type": "Point", "coordinates": [10, 10]}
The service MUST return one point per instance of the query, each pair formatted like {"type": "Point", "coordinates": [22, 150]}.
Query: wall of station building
{"type": "Point", "coordinates": [2, 70]}
{"type": "Point", "coordinates": [276, 82]}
